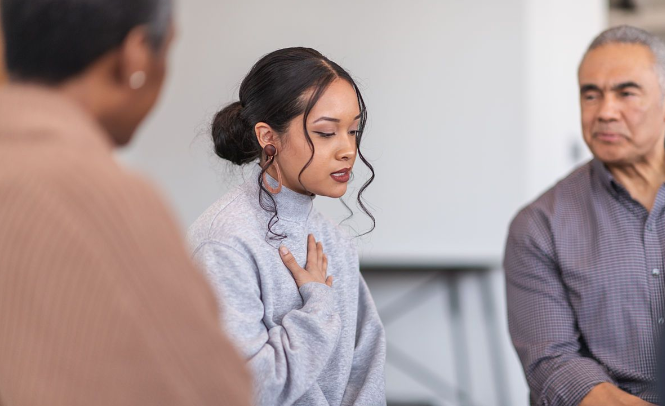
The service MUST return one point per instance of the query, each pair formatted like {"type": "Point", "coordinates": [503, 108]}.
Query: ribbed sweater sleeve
{"type": "Point", "coordinates": [99, 303]}
{"type": "Point", "coordinates": [286, 359]}
{"type": "Point", "coordinates": [367, 384]}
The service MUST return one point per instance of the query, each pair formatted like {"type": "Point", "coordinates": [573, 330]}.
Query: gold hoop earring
{"type": "Point", "coordinates": [271, 153]}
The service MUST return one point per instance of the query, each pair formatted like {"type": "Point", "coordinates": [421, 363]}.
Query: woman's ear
{"type": "Point", "coordinates": [266, 135]}
{"type": "Point", "coordinates": [134, 59]}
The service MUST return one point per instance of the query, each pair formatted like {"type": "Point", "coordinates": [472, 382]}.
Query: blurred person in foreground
{"type": "Point", "coordinates": [99, 303]}
{"type": "Point", "coordinates": [584, 262]}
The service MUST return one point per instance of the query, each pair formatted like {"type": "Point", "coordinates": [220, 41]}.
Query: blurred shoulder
{"type": "Point", "coordinates": [235, 217]}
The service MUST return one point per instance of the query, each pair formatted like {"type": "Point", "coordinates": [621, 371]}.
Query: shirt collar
{"type": "Point", "coordinates": [604, 176]}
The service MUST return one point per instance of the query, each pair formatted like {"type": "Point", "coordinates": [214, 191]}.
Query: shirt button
{"type": "Point", "coordinates": [661, 321]}
{"type": "Point", "coordinates": [649, 227]}
{"type": "Point", "coordinates": [655, 272]}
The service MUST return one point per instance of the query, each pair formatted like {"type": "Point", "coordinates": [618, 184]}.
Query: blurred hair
{"type": "Point", "coordinates": [50, 41]}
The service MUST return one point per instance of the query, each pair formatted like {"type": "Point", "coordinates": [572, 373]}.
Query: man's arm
{"type": "Point", "coordinates": [606, 394]}
{"type": "Point", "coordinates": [541, 321]}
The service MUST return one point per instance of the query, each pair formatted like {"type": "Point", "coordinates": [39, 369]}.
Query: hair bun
{"type": "Point", "coordinates": [233, 136]}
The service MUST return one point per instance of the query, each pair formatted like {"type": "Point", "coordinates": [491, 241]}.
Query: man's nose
{"type": "Point", "coordinates": [609, 110]}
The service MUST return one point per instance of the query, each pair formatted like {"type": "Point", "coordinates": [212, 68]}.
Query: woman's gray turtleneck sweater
{"type": "Point", "coordinates": [310, 346]}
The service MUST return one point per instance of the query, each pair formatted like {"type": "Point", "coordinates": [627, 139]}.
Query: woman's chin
{"type": "Point", "coordinates": [335, 193]}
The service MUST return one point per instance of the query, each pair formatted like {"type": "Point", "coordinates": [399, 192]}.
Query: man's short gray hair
{"type": "Point", "coordinates": [50, 41]}
{"type": "Point", "coordinates": [626, 34]}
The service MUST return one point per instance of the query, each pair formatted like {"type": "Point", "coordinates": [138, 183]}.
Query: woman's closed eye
{"type": "Point", "coordinates": [355, 133]}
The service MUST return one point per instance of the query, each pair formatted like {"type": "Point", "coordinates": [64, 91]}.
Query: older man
{"type": "Point", "coordinates": [584, 262]}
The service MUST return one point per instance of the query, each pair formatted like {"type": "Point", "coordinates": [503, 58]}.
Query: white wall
{"type": "Point", "coordinates": [557, 35]}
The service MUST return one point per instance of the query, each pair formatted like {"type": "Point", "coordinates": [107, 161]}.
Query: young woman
{"type": "Point", "coordinates": [307, 340]}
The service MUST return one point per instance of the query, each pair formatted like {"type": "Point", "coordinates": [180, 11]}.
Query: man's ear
{"type": "Point", "coordinates": [266, 135]}
{"type": "Point", "coordinates": [135, 55]}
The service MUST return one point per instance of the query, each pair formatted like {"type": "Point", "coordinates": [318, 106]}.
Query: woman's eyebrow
{"type": "Point", "coordinates": [334, 120]}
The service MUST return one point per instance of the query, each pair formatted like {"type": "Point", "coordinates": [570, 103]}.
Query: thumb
{"type": "Point", "coordinates": [329, 281]}
{"type": "Point", "coordinates": [289, 260]}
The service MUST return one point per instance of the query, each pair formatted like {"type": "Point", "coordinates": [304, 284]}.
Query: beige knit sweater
{"type": "Point", "coordinates": [99, 304]}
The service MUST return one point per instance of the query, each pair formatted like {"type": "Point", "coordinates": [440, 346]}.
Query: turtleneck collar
{"type": "Point", "coordinates": [291, 206]}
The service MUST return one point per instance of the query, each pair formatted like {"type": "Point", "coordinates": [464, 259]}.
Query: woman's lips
{"type": "Point", "coordinates": [341, 176]}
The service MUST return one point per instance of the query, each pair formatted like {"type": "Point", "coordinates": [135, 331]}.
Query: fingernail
{"type": "Point", "coordinates": [283, 250]}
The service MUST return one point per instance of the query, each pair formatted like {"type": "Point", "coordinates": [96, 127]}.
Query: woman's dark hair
{"type": "Point", "coordinates": [273, 92]}
{"type": "Point", "coordinates": [50, 41]}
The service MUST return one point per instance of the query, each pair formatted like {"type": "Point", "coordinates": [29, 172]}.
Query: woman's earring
{"type": "Point", "coordinates": [271, 152]}
{"type": "Point", "coordinates": [137, 80]}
